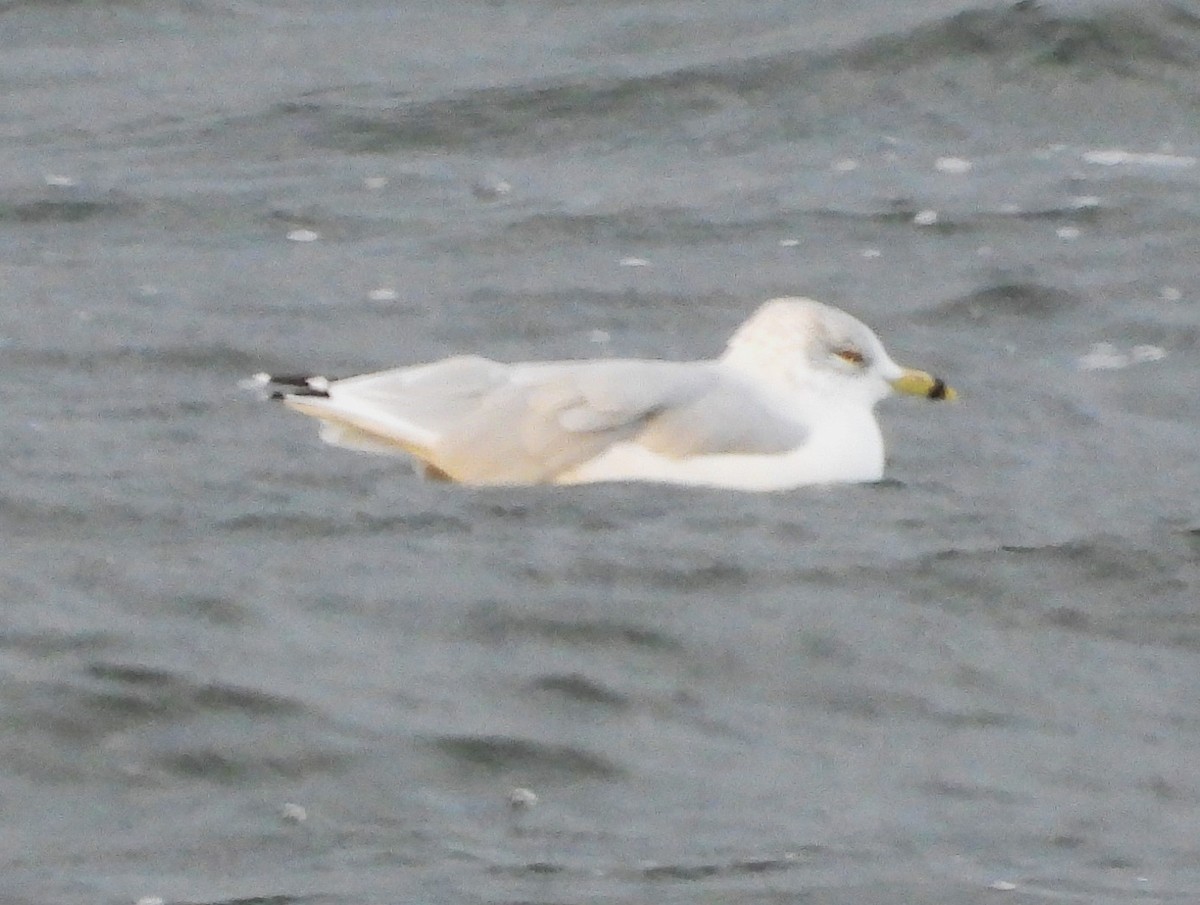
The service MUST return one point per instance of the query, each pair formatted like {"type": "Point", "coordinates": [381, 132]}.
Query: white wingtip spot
{"type": "Point", "coordinates": [256, 384]}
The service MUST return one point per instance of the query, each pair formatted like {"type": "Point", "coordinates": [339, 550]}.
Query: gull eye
{"type": "Point", "coordinates": [850, 354]}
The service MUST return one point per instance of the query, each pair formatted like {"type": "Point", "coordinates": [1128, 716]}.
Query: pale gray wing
{"type": "Point", "coordinates": [549, 418]}
{"type": "Point", "coordinates": [422, 401]}
{"type": "Point", "coordinates": [399, 411]}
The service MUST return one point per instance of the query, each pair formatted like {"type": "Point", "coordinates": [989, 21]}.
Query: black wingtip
{"type": "Point", "coordinates": [289, 380]}
{"type": "Point", "coordinates": [280, 386]}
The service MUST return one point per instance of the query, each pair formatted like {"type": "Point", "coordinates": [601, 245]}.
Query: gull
{"type": "Point", "coordinates": [790, 402]}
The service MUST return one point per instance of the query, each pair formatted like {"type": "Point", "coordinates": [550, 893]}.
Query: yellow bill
{"type": "Point", "coordinates": [918, 383]}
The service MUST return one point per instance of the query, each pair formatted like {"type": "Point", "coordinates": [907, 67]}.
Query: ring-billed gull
{"type": "Point", "coordinates": [790, 402]}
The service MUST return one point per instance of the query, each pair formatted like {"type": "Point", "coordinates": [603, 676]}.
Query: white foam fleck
{"type": "Point", "coordinates": [1107, 357]}
{"type": "Point", "coordinates": [1085, 202]}
{"type": "Point", "coordinates": [845, 165]}
{"type": "Point", "coordinates": [293, 813]}
{"type": "Point", "coordinates": [871, 253]}
{"type": "Point", "coordinates": [1103, 357]}
{"type": "Point", "coordinates": [151, 900]}
{"type": "Point", "coordinates": [522, 799]}
{"type": "Point", "coordinates": [1002, 886]}
{"type": "Point", "coordinates": [491, 188]}
{"type": "Point", "coordinates": [788, 243]}
{"type": "Point", "coordinates": [925, 218]}
{"type": "Point", "coordinates": [303, 235]}
{"type": "Point", "coordinates": [953, 165]}
{"type": "Point", "coordinates": [1145, 353]}
{"type": "Point", "coordinates": [634, 262]}
{"type": "Point", "coordinates": [1067, 232]}
{"type": "Point", "coordinates": [599, 336]}
{"type": "Point", "coordinates": [383, 294]}
{"type": "Point", "coordinates": [375, 183]}
{"type": "Point", "coordinates": [60, 181]}
{"type": "Point", "coordinates": [1170, 294]}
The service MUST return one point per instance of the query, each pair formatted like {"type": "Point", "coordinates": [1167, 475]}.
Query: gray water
{"type": "Point", "coordinates": [977, 681]}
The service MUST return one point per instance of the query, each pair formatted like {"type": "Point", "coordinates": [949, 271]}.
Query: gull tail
{"type": "Point", "coordinates": [345, 422]}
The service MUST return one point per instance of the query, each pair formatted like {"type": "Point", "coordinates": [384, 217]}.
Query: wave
{"type": "Point", "coordinates": [1111, 587]}
{"type": "Point", "coordinates": [1156, 43]}
{"type": "Point", "coordinates": [578, 688]}
{"type": "Point", "coordinates": [60, 210]}
{"type": "Point", "coordinates": [1137, 40]}
{"type": "Point", "coordinates": [121, 700]}
{"type": "Point", "coordinates": [28, 518]}
{"type": "Point", "coordinates": [643, 225]}
{"type": "Point", "coordinates": [1022, 300]}
{"type": "Point", "coordinates": [237, 767]}
{"type": "Point", "coordinates": [212, 357]}
{"type": "Point", "coordinates": [685, 872]}
{"type": "Point", "coordinates": [500, 627]}
{"type": "Point", "coordinates": [156, 690]}
{"type": "Point", "coordinates": [298, 525]}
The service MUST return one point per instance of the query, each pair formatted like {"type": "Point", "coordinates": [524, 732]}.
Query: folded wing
{"type": "Point", "coordinates": [484, 422]}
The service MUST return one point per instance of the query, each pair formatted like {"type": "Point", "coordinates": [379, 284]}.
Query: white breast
{"type": "Point", "coordinates": [846, 450]}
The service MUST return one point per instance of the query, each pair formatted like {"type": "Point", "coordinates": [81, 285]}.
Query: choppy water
{"type": "Point", "coordinates": [977, 681]}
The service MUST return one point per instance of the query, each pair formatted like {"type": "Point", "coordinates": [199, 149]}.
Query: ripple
{"type": "Point", "coordinates": [61, 211]}
{"type": "Point", "coordinates": [506, 627]}
{"type": "Point", "coordinates": [579, 688]}
{"type": "Point", "coordinates": [507, 753]}
{"type": "Point", "coordinates": [1031, 301]}
{"type": "Point", "coordinates": [164, 691]}
{"type": "Point", "coordinates": [1122, 588]}
{"type": "Point", "coordinates": [232, 768]}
